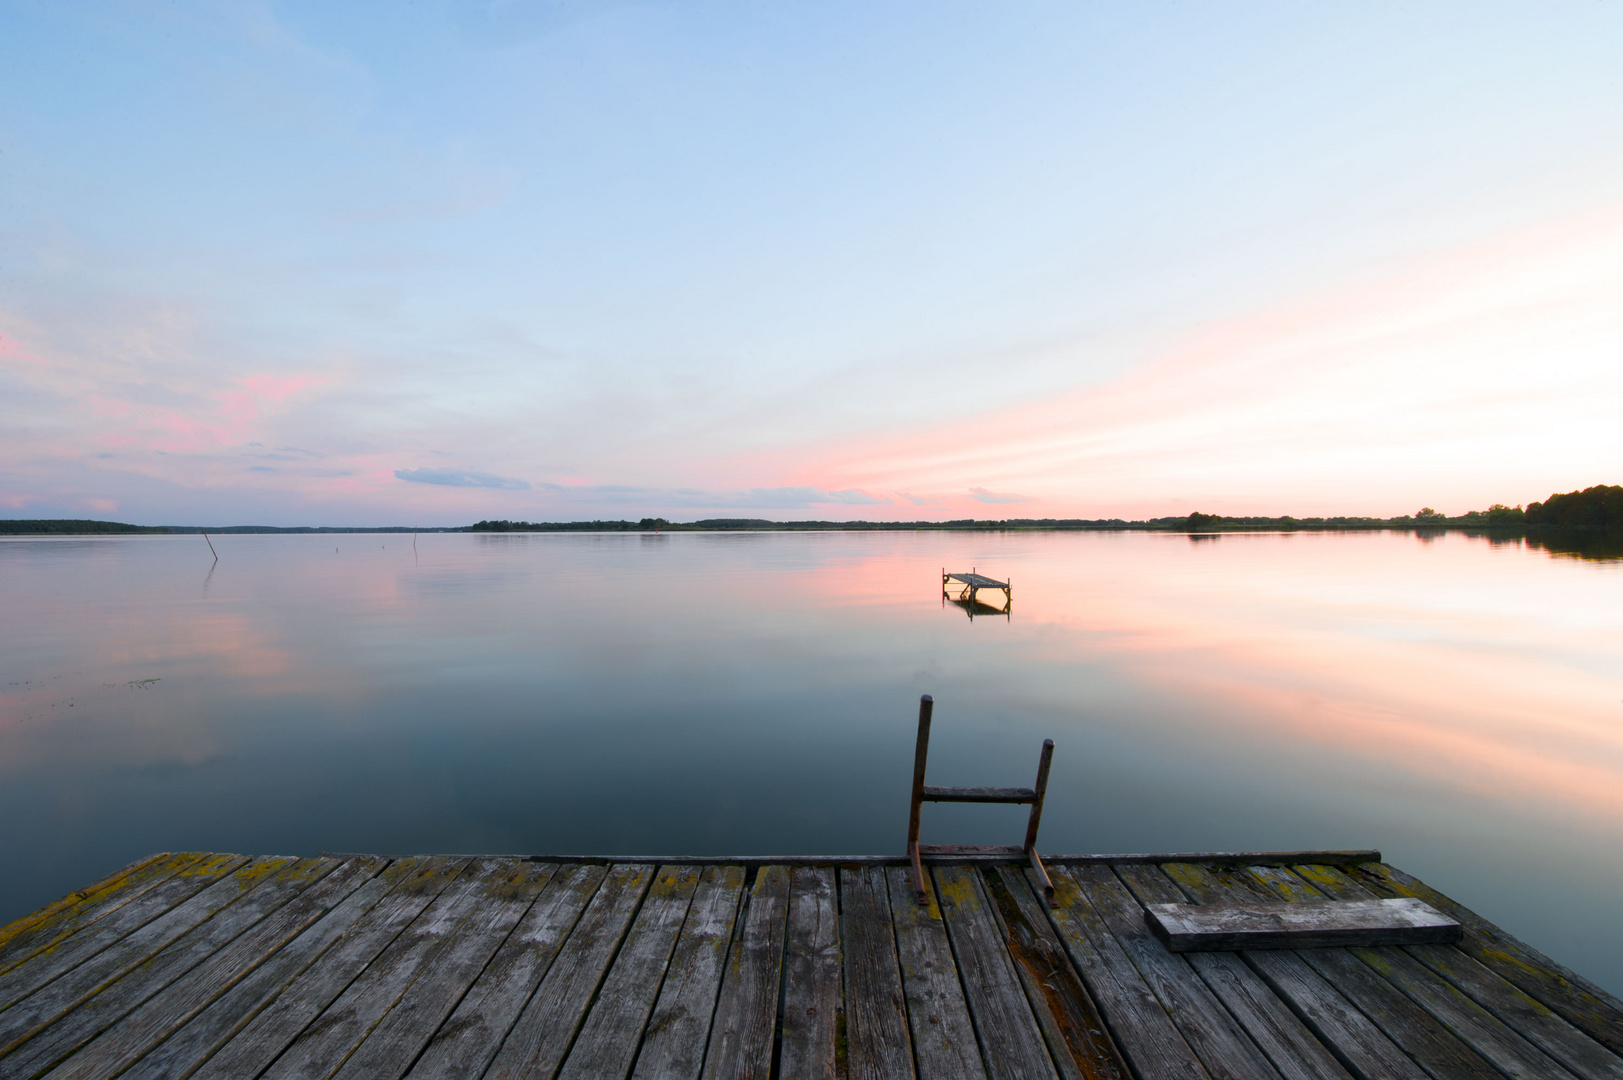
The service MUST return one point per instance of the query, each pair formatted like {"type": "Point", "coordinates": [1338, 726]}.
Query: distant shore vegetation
{"type": "Point", "coordinates": [1597, 509]}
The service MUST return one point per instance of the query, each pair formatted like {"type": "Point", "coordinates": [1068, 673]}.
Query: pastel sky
{"type": "Point", "coordinates": [427, 263]}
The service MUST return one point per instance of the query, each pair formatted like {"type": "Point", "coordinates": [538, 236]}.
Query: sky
{"type": "Point", "coordinates": [396, 264]}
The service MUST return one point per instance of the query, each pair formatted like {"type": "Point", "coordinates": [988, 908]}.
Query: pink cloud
{"type": "Point", "coordinates": [1455, 373]}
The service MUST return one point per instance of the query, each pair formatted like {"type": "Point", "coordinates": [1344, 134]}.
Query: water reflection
{"type": "Point", "coordinates": [1455, 701]}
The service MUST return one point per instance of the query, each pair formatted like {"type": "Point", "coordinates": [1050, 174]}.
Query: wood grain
{"type": "Point", "coordinates": [741, 1034]}
{"type": "Point", "coordinates": [608, 1041]}
{"type": "Point", "coordinates": [499, 893]}
{"type": "Point", "coordinates": [1146, 1035]}
{"type": "Point", "coordinates": [538, 1041]}
{"type": "Point", "coordinates": [1577, 1000]}
{"type": "Point", "coordinates": [674, 1044]}
{"type": "Point", "coordinates": [1012, 1044]}
{"type": "Point", "coordinates": [119, 997]}
{"type": "Point", "coordinates": [255, 1045]}
{"type": "Point", "coordinates": [1293, 1047]}
{"type": "Point", "coordinates": [876, 1029]}
{"type": "Point", "coordinates": [811, 976]}
{"type": "Point", "coordinates": [465, 1044]}
{"type": "Point", "coordinates": [176, 1020]}
{"type": "Point", "coordinates": [944, 1039]}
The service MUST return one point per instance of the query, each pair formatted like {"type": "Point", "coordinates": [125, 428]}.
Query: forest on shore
{"type": "Point", "coordinates": [1593, 509]}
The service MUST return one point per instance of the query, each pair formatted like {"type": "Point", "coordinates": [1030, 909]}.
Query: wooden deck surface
{"type": "Point", "coordinates": [225, 966]}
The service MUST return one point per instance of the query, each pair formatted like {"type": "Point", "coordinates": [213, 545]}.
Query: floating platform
{"type": "Point", "coordinates": [224, 966]}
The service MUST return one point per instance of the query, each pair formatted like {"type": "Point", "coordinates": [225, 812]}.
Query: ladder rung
{"type": "Point", "coordinates": [979, 794]}
{"type": "Point", "coordinates": [1005, 850]}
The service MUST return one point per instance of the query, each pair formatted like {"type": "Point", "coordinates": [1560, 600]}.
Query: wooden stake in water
{"type": "Point", "coordinates": [210, 543]}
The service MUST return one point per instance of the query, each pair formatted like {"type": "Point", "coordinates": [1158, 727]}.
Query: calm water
{"type": "Point", "coordinates": [1457, 704]}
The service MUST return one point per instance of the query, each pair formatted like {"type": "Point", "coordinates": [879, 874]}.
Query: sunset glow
{"type": "Point", "coordinates": [264, 264]}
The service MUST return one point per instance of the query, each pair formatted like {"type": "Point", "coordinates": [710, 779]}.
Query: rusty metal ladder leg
{"type": "Point", "coordinates": [920, 752]}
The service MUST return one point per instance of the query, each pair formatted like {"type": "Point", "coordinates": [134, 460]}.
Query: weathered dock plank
{"type": "Point", "coordinates": [1441, 1052]}
{"type": "Point", "coordinates": [464, 1045]}
{"type": "Point", "coordinates": [253, 1047]}
{"type": "Point", "coordinates": [180, 1005]}
{"type": "Point", "coordinates": [119, 997]}
{"type": "Point", "coordinates": [1069, 1018]}
{"type": "Point", "coordinates": [496, 895]}
{"type": "Point", "coordinates": [1144, 1031]}
{"type": "Point", "coordinates": [1013, 1045]}
{"type": "Point", "coordinates": [674, 1044]}
{"type": "Point", "coordinates": [1222, 1045]}
{"type": "Point", "coordinates": [57, 920]}
{"type": "Point", "coordinates": [1579, 1001]}
{"type": "Point", "coordinates": [876, 1020]}
{"type": "Point", "coordinates": [742, 1033]}
{"type": "Point", "coordinates": [943, 1033]}
{"type": "Point", "coordinates": [219, 966]}
{"type": "Point", "coordinates": [1277, 1031]}
{"type": "Point", "coordinates": [1324, 1006]}
{"type": "Point", "coordinates": [811, 977]}
{"type": "Point", "coordinates": [99, 935]}
{"type": "Point", "coordinates": [608, 1041]}
{"type": "Point", "coordinates": [538, 1041]}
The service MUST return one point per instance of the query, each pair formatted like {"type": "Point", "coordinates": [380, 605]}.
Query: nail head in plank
{"type": "Point", "coordinates": [741, 1035]}
{"type": "Point", "coordinates": [673, 1046]}
{"type": "Point", "coordinates": [811, 977]}
{"type": "Point", "coordinates": [877, 1044]}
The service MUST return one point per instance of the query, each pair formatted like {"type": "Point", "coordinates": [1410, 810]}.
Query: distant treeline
{"type": "Point", "coordinates": [71, 527]}
{"type": "Point", "coordinates": [1598, 508]}
{"type": "Point", "coordinates": [74, 527]}
{"type": "Point", "coordinates": [763, 524]}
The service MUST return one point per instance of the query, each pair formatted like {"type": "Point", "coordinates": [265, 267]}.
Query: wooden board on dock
{"type": "Point", "coordinates": [1309, 925]}
{"type": "Point", "coordinates": [444, 966]}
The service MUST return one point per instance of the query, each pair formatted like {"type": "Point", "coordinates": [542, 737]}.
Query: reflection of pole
{"type": "Point", "coordinates": [210, 543]}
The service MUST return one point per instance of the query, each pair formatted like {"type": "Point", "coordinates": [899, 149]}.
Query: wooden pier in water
{"type": "Point", "coordinates": [226, 966]}
{"type": "Point", "coordinates": [965, 591]}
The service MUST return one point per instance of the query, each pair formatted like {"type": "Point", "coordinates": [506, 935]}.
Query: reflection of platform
{"type": "Point", "coordinates": [966, 590]}
{"type": "Point", "coordinates": [225, 966]}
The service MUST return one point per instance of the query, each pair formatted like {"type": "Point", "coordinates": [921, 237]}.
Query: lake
{"type": "Point", "coordinates": [1454, 702]}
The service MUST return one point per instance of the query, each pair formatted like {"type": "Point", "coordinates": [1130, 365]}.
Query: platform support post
{"type": "Point", "coordinates": [920, 752]}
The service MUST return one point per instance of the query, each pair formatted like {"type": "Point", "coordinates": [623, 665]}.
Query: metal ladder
{"type": "Point", "coordinates": [922, 794]}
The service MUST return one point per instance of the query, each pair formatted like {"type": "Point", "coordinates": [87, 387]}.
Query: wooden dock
{"type": "Point", "coordinates": [224, 966]}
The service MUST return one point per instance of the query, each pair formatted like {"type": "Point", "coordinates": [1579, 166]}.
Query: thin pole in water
{"type": "Point", "coordinates": [210, 543]}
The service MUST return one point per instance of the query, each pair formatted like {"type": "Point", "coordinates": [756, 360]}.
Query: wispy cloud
{"type": "Point", "coordinates": [456, 478]}
{"type": "Point", "coordinates": [980, 494]}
